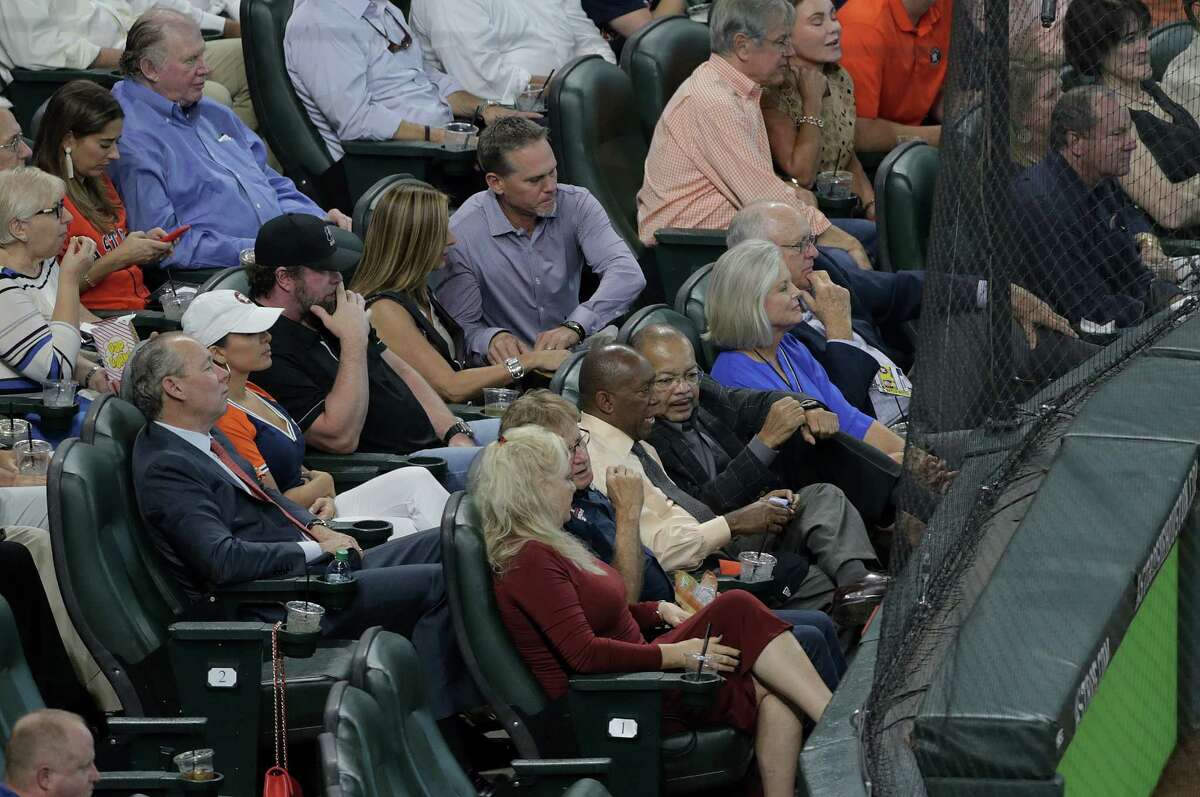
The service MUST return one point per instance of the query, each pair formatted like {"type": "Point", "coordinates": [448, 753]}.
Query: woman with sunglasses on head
{"type": "Point", "coordinates": [406, 242]}
{"type": "Point", "coordinates": [76, 141]}
{"type": "Point", "coordinates": [39, 298]}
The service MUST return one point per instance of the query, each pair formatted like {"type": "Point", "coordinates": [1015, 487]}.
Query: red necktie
{"type": "Point", "coordinates": [255, 488]}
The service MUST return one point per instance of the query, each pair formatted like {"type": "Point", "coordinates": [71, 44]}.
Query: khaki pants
{"type": "Point", "coordinates": [224, 59]}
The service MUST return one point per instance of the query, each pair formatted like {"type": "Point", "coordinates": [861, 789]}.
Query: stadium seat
{"type": "Point", "coordinates": [294, 139]}
{"type": "Point", "coordinates": [365, 205]}
{"type": "Point", "coordinates": [689, 302]}
{"type": "Point", "coordinates": [30, 88]}
{"type": "Point", "coordinates": [1166, 42]}
{"type": "Point", "coordinates": [566, 379]}
{"type": "Point", "coordinates": [904, 188]}
{"type": "Point", "coordinates": [658, 314]}
{"type": "Point", "coordinates": [127, 608]}
{"type": "Point", "coordinates": [600, 146]}
{"type": "Point", "coordinates": [228, 279]}
{"type": "Point", "coordinates": [581, 723]}
{"type": "Point", "coordinates": [658, 58]}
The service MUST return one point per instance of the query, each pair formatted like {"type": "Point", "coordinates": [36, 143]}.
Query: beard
{"type": "Point", "coordinates": [306, 301]}
{"type": "Point", "coordinates": [548, 211]}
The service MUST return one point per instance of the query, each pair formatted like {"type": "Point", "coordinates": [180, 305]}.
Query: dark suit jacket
{"type": "Point", "coordinates": [211, 532]}
{"type": "Point", "coordinates": [732, 416]}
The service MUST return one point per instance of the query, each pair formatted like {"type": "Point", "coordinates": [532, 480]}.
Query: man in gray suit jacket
{"type": "Point", "coordinates": [216, 525]}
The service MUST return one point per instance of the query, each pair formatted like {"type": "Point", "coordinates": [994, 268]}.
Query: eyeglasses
{"type": "Point", "coordinates": [57, 210]}
{"type": "Point", "coordinates": [13, 143]}
{"type": "Point", "coordinates": [393, 47]}
{"type": "Point", "coordinates": [802, 245]}
{"type": "Point", "coordinates": [783, 44]}
{"type": "Point", "coordinates": [580, 442]}
{"type": "Point", "coordinates": [668, 381]}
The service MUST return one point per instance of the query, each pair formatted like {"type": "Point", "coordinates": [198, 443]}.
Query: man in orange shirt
{"type": "Point", "coordinates": [896, 52]}
{"type": "Point", "coordinates": [710, 156]}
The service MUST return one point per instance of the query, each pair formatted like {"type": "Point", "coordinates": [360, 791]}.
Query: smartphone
{"type": "Point", "coordinates": [173, 234]}
{"type": "Point", "coordinates": [779, 500]}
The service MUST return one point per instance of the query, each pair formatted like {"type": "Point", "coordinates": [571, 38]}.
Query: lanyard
{"type": "Point", "coordinates": [783, 358]}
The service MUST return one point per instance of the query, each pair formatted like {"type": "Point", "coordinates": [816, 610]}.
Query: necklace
{"type": "Point", "coordinates": [777, 369]}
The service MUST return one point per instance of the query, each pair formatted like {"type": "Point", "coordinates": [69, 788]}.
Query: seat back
{"type": "Point", "coordinates": [1166, 42]}
{"type": "Point", "coordinates": [357, 753]}
{"type": "Point", "coordinates": [597, 139]}
{"type": "Point", "coordinates": [282, 120]}
{"type": "Point", "coordinates": [493, 661]}
{"type": "Point", "coordinates": [19, 694]}
{"type": "Point", "coordinates": [233, 278]}
{"type": "Point", "coordinates": [658, 314]}
{"type": "Point", "coordinates": [658, 58]}
{"type": "Point", "coordinates": [689, 302]}
{"type": "Point", "coordinates": [364, 206]}
{"type": "Point", "coordinates": [566, 379]}
{"type": "Point", "coordinates": [386, 668]}
{"type": "Point", "coordinates": [904, 189]}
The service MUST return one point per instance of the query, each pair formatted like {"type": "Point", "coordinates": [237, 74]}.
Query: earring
{"type": "Point", "coordinates": [70, 164]}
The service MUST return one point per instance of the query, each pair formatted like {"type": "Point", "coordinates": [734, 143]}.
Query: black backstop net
{"type": "Point", "coordinates": [1060, 254]}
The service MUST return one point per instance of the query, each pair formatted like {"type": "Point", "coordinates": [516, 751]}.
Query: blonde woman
{"type": "Point", "coordinates": [407, 241]}
{"type": "Point", "coordinates": [567, 613]}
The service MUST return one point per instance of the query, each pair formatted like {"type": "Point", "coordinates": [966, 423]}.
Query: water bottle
{"type": "Point", "coordinates": [339, 571]}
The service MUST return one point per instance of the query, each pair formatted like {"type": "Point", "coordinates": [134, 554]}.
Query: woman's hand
{"type": "Point", "coordinates": [675, 654]}
{"type": "Point", "coordinates": [142, 247]}
{"type": "Point", "coordinates": [672, 614]}
{"type": "Point", "coordinates": [546, 360]}
{"type": "Point", "coordinates": [813, 84]}
{"type": "Point", "coordinates": [324, 508]}
{"type": "Point", "coordinates": [321, 481]}
{"type": "Point", "coordinates": [80, 254]}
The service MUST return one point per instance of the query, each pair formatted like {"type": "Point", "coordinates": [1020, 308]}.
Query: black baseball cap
{"type": "Point", "coordinates": [298, 239]}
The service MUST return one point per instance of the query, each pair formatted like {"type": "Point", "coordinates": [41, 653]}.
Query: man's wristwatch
{"type": "Point", "coordinates": [479, 109]}
{"type": "Point", "coordinates": [575, 327]}
{"type": "Point", "coordinates": [318, 522]}
{"type": "Point", "coordinates": [515, 369]}
{"type": "Point", "coordinates": [458, 427]}
{"type": "Point", "coordinates": [810, 404]}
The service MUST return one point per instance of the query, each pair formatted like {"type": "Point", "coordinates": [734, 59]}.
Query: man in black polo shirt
{"type": "Point", "coordinates": [329, 370]}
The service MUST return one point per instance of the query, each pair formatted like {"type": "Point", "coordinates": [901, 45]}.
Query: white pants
{"type": "Point", "coordinates": [24, 506]}
{"type": "Point", "coordinates": [411, 499]}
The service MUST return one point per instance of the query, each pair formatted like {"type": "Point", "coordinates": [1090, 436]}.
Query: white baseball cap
{"type": "Point", "coordinates": [213, 315]}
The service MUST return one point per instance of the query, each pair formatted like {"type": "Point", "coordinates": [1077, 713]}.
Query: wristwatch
{"type": "Point", "coordinates": [318, 522]}
{"type": "Point", "coordinates": [575, 327]}
{"type": "Point", "coordinates": [479, 109]}
{"type": "Point", "coordinates": [515, 369]}
{"type": "Point", "coordinates": [810, 404]}
{"type": "Point", "coordinates": [459, 427]}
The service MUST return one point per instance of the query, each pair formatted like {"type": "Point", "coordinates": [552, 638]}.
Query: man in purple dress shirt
{"type": "Point", "coordinates": [188, 160]}
{"type": "Point", "coordinates": [513, 278]}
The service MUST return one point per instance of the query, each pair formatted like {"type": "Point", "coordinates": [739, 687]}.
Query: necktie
{"type": "Point", "coordinates": [659, 478]}
{"type": "Point", "coordinates": [255, 488]}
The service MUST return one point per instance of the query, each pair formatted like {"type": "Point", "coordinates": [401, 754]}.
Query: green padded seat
{"type": "Point", "coordinates": [357, 755]}
{"type": "Point", "coordinates": [1166, 42]}
{"type": "Point", "coordinates": [659, 314]}
{"type": "Point", "coordinates": [904, 189]}
{"type": "Point", "coordinates": [658, 58]}
{"type": "Point", "coordinates": [689, 302]}
{"type": "Point", "coordinates": [365, 205]}
{"type": "Point", "coordinates": [566, 379]}
{"type": "Point", "coordinates": [31, 88]}
{"type": "Point", "coordinates": [228, 279]}
{"type": "Point", "coordinates": [19, 694]}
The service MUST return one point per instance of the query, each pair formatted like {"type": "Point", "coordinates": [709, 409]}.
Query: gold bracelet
{"type": "Point", "coordinates": [811, 120]}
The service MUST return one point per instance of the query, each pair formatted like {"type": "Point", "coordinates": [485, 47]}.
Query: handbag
{"type": "Point", "coordinates": [278, 782]}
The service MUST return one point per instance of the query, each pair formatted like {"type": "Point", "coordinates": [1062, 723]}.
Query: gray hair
{"type": "Point", "coordinates": [151, 363]}
{"type": "Point", "coordinates": [23, 192]}
{"type": "Point", "coordinates": [147, 39]}
{"type": "Point", "coordinates": [755, 222]}
{"type": "Point", "coordinates": [1075, 112]}
{"type": "Point", "coordinates": [752, 18]}
{"type": "Point", "coordinates": [740, 281]}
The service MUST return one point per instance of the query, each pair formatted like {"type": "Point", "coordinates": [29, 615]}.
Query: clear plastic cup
{"type": "Point", "coordinates": [496, 400]}
{"type": "Point", "coordinates": [532, 98]}
{"type": "Point", "coordinates": [304, 617]}
{"type": "Point", "coordinates": [461, 136]}
{"type": "Point", "coordinates": [756, 567]}
{"type": "Point", "coordinates": [174, 305]}
{"type": "Point", "coordinates": [699, 668]}
{"type": "Point", "coordinates": [196, 764]}
{"type": "Point", "coordinates": [12, 430]}
{"type": "Point", "coordinates": [834, 185]}
{"type": "Point", "coordinates": [246, 258]}
{"type": "Point", "coordinates": [59, 392]}
{"type": "Point", "coordinates": [33, 456]}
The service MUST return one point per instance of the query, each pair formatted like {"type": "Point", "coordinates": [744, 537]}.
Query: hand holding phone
{"type": "Point", "coordinates": [173, 234]}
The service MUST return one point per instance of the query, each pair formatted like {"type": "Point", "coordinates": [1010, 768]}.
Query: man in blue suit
{"type": "Point", "coordinates": [216, 525]}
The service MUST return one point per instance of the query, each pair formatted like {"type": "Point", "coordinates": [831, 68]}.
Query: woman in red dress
{"type": "Point", "coordinates": [76, 140]}
{"type": "Point", "coordinates": [566, 612]}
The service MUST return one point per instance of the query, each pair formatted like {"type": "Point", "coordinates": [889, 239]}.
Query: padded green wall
{"type": "Point", "coordinates": [1129, 731]}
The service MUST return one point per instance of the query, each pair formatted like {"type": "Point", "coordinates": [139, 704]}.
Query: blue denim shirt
{"type": "Point", "coordinates": [592, 520]}
{"type": "Point", "coordinates": [200, 166]}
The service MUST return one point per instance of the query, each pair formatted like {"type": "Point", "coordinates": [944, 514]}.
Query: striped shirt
{"type": "Point", "coordinates": [710, 156]}
{"type": "Point", "coordinates": [33, 348]}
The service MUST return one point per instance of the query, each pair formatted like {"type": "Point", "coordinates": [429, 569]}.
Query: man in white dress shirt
{"type": "Point", "coordinates": [495, 48]}
{"type": "Point", "coordinates": [360, 74]}
{"type": "Point", "coordinates": [90, 34]}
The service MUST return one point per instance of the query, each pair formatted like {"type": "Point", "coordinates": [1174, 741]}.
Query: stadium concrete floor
{"type": "Point", "coordinates": [1181, 778]}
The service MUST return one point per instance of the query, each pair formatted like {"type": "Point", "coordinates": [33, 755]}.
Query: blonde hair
{"type": "Point", "coordinates": [541, 407]}
{"type": "Point", "coordinates": [405, 240]}
{"type": "Point", "coordinates": [740, 281]}
{"type": "Point", "coordinates": [506, 486]}
{"type": "Point", "coordinates": [23, 192]}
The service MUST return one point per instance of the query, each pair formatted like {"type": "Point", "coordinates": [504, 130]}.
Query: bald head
{"type": "Point", "coordinates": [164, 51]}
{"type": "Point", "coordinates": [782, 225]}
{"type": "Point", "coordinates": [676, 375]}
{"type": "Point", "coordinates": [50, 752]}
{"type": "Point", "coordinates": [616, 385]}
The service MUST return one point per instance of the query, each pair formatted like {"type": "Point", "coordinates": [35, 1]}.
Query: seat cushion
{"type": "Point", "coordinates": [308, 683]}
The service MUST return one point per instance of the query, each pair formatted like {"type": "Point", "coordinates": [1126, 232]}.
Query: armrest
{"type": "Point", "coordinates": [529, 767]}
{"type": "Point", "coordinates": [1180, 247]}
{"type": "Point", "coordinates": [331, 462]}
{"type": "Point", "coordinates": [406, 149]}
{"type": "Point", "coordinates": [148, 743]}
{"type": "Point", "coordinates": [677, 236]}
{"type": "Point", "coordinates": [468, 412]}
{"type": "Point", "coordinates": [219, 631]}
{"type": "Point", "coordinates": [281, 590]}
{"type": "Point", "coordinates": [138, 781]}
{"type": "Point", "coordinates": [642, 682]}
{"type": "Point", "coordinates": [147, 322]}
{"type": "Point", "coordinates": [106, 77]}
{"type": "Point", "coordinates": [157, 726]}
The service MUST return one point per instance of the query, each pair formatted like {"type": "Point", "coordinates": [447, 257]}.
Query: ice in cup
{"type": "Point", "coordinates": [59, 392]}
{"type": "Point", "coordinates": [756, 567]}
{"type": "Point", "coordinates": [12, 430]}
{"type": "Point", "coordinates": [304, 617]}
{"type": "Point", "coordinates": [496, 400]}
{"type": "Point", "coordinates": [33, 456]}
{"type": "Point", "coordinates": [834, 185]}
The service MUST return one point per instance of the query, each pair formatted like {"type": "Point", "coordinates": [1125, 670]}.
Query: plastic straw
{"type": "Point", "coordinates": [544, 85]}
{"type": "Point", "coordinates": [704, 649]}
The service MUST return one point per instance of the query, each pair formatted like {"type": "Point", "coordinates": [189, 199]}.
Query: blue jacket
{"type": "Point", "coordinates": [592, 520]}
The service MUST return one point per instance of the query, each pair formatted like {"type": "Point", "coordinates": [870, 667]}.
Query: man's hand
{"type": "Point", "coordinates": [348, 323]}
{"type": "Point", "coordinates": [324, 508]}
{"type": "Point", "coordinates": [859, 256]}
{"type": "Point", "coordinates": [783, 419]}
{"type": "Point", "coordinates": [331, 540]}
{"type": "Point", "coordinates": [9, 477]}
{"type": "Point", "coordinates": [830, 303]}
{"type": "Point", "coordinates": [759, 517]}
{"type": "Point", "coordinates": [232, 29]}
{"type": "Point", "coordinates": [822, 424]}
{"type": "Point", "coordinates": [503, 346]}
{"type": "Point", "coordinates": [672, 614]}
{"type": "Point", "coordinates": [1030, 312]}
{"type": "Point", "coordinates": [626, 491]}
{"type": "Point", "coordinates": [556, 338]}
{"type": "Point", "coordinates": [929, 470]}
{"type": "Point", "coordinates": [340, 219]}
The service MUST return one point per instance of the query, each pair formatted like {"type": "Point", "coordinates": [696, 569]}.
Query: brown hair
{"type": "Point", "coordinates": [81, 108]}
{"type": "Point", "coordinates": [543, 408]}
{"type": "Point", "coordinates": [405, 240]}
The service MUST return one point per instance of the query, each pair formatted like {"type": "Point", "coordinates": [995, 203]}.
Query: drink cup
{"type": "Point", "coordinates": [700, 667]}
{"type": "Point", "coordinates": [834, 184]}
{"type": "Point", "coordinates": [174, 305]}
{"type": "Point", "coordinates": [12, 430]}
{"type": "Point", "coordinates": [58, 392]}
{"type": "Point", "coordinates": [531, 99]}
{"type": "Point", "coordinates": [496, 400]}
{"type": "Point", "coordinates": [196, 764]}
{"type": "Point", "coordinates": [304, 617]}
{"type": "Point", "coordinates": [756, 566]}
{"type": "Point", "coordinates": [33, 456]}
{"type": "Point", "coordinates": [461, 136]}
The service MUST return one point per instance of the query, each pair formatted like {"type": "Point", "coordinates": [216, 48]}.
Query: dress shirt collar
{"type": "Point", "coordinates": [606, 434]}
{"type": "Point", "coordinates": [200, 440]}
{"type": "Point", "coordinates": [356, 8]}
{"type": "Point", "coordinates": [743, 86]}
{"type": "Point", "coordinates": [499, 224]}
{"type": "Point", "coordinates": [924, 24]}
{"type": "Point", "coordinates": [157, 103]}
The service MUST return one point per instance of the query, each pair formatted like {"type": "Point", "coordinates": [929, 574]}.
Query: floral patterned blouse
{"type": "Point", "coordinates": [837, 112]}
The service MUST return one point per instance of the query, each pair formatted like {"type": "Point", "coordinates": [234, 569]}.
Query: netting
{"type": "Point", "coordinates": [1086, 200]}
